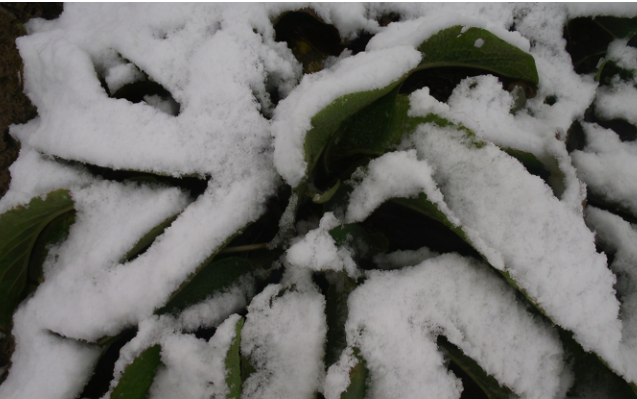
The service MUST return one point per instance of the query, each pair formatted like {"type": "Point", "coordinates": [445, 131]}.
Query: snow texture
{"type": "Point", "coordinates": [318, 251]}
{"type": "Point", "coordinates": [220, 62]}
{"type": "Point", "coordinates": [283, 337]}
{"type": "Point", "coordinates": [395, 317]}
{"type": "Point", "coordinates": [520, 227]}
{"type": "Point", "coordinates": [604, 166]}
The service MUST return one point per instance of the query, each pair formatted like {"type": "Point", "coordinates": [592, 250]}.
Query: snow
{"type": "Point", "coordinates": [318, 251]}
{"type": "Point", "coordinates": [603, 165]}
{"type": "Point", "coordinates": [220, 62]}
{"type": "Point", "coordinates": [283, 336]}
{"type": "Point", "coordinates": [362, 72]}
{"type": "Point", "coordinates": [619, 238]}
{"type": "Point", "coordinates": [514, 220]}
{"type": "Point", "coordinates": [464, 301]}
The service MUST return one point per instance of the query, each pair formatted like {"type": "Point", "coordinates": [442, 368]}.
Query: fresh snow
{"type": "Point", "coordinates": [220, 63]}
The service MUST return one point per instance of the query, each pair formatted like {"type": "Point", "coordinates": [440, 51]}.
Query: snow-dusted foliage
{"type": "Point", "coordinates": [324, 200]}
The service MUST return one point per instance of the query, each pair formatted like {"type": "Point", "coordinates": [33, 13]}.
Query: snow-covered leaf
{"type": "Point", "coordinates": [147, 240]}
{"type": "Point", "coordinates": [139, 375]}
{"type": "Point", "coordinates": [25, 232]}
{"type": "Point", "coordinates": [477, 48]}
{"type": "Point", "coordinates": [211, 278]}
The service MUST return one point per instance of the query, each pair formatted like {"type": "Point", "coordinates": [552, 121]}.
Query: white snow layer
{"type": "Point", "coordinates": [218, 61]}
{"type": "Point", "coordinates": [318, 251]}
{"type": "Point", "coordinates": [283, 336]}
{"type": "Point", "coordinates": [362, 72]}
{"type": "Point", "coordinates": [395, 317]}
{"type": "Point", "coordinates": [514, 220]}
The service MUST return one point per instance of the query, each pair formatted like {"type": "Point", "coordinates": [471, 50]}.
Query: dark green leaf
{"type": "Point", "coordinates": [233, 364]}
{"type": "Point", "coordinates": [620, 28]}
{"type": "Point", "coordinates": [487, 383]}
{"type": "Point", "coordinates": [336, 311]}
{"type": "Point", "coordinates": [586, 42]}
{"type": "Point", "coordinates": [480, 49]}
{"type": "Point", "coordinates": [358, 379]}
{"type": "Point", "coordinates": [20, 229]}
{"type": "Point", "coordinates": [139, 375]}
{"type": "Point", "coordinates": [145, 242]}
{"type": "Point", "coordinates": [213, 277]}
{"type": "Point", "coordinates": [327, 122]}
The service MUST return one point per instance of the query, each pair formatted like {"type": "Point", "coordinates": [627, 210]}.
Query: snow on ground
{"type": "Point", "coordinates": [218, 62]}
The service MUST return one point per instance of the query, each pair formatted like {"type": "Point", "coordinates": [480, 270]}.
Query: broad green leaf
{"type": "Point", "coordinates": [327, 122]}
{"type": "Point", "coordinates": [20, 250]}
{"type": "Point", "coordinates": [489, 385]}
{"type": "Point", "coordinates": [358, 379]}
{"type": "Point", "coordinates": [340, 286]}
{"type": "Point", "coordinates": [213, 277]}
{"type": "Point", "coordinates": [233, 364]}
{"type": "Point", "coordinates": [368, 132]}
{"type": "Point", "coordinates": [620, 28]}
{"type": "Point", "coordinates": [139, 375]}
{"type": "Point", "coordinates": [145, 242]}
{"type": "Point", "coordinates": [477, 48]}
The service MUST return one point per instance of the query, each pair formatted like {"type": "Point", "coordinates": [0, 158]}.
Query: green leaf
{"type": "Point", "coordinates": [368, 132]}
{"type": "Point", "coordinates": [20, 250]}
{"type": "Point", "coordinates": [139, 375]}
{"type": "Point", "coordinates": [477, 48]}
{"type": "Point", "coordinates": [145, 242]}
{"type": "Point", "coordinates": [233, 364]}
{"type": "Point", "coordinates": [247, 369]}
{"type": "Point", "coordinates": [488, 384]}
{"type": "Point", "coordinates": [620, 28]}
{"type": "Point", "coordinates": [213, 277]}
{"type": "Point", "coordinates": [327, 122]}
{"type": "Point", "coordinates": [358, 379]}
{"type": "Point", "coordinates": [336, 312]}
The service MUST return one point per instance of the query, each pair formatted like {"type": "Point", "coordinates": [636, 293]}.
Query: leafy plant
{"type": "Point", "coordinates": [344, 230]}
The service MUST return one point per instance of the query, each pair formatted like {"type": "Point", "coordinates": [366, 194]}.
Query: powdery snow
{"type": "Point", "coordinates": [513, 218]}
{"type": "Point", "coordinates": [292, 118]}
{"type": "Point", "coordinates": [395, 317]}
{"type": "Point", "coordinates": [218, 61]}
{"type": "Point", "coordinates": [283, 336]}
{"type": "Point", "coordinates": [604, 165]}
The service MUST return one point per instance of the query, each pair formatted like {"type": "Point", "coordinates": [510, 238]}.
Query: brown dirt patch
{"type": "Point", "coordinates": [15, 107]}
